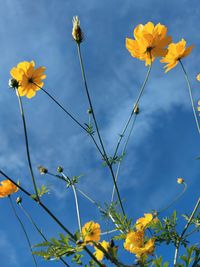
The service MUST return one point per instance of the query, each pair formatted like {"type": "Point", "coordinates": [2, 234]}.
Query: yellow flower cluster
{"type": "Point", "coordinates": [135, 241]}
{"type": "Point", "coordinates": [7, 188]}
{"type": "Point", "coordinates": [151, 41]}
{"type": "Point", "coordinates": [91, 236]}
{"type": "Point", "coordinates": [28, 79]}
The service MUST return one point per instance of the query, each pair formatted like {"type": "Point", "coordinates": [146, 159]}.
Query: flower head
{"type": "Point", "coordinates": [135, 243]}
{"type": "Point", "coordinates": [28, 78]}
{"type": "Point", "coordinates": [150, 42]}
{"type": "Point", "coordinates": [99, 253]}
{"type": "Point", "coordinates": [7, 188]}
{"type": "Point", "coordinates": [176, 51]}
{"type": "Point", "coordinates": [91, 232]}
{"type": "Point", "coordinates": [144, 222]}
{"type": "Point", "coordinates": [180, 180]}
{"type": "Point", "coordinates": [198, 77]}
{"type": "Point", "coordinates": [77, 33]}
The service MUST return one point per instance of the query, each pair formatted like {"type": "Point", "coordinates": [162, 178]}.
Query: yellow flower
{"type": "Point", "coordinates": [143, 222]}
{"type": "Point", "coordinates": [180, 180]}
{"type": "Point", "coordinates": [198, 77]}
{"type": "Point", "coordinates": [135, 244]}
{"type": "Point", "coordinates": [99, 253]}
{"type": "Point", "coordinates": [176, 51]}
{"type": "Point", "coordinates": [29, 79]}
{"type": "Point", "coordinates": [150, 42]}
{"type": "Point", "coordinates": [91, 232]}
{"type": "Point", "coordinates": [7, 188]}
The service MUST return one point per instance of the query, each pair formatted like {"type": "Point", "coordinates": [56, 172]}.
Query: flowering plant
{"type": "Point", "coordinates": [140, 237]}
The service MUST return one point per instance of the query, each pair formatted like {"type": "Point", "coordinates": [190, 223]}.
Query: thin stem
{"type": "Point", "coordinates": [90, 199]}
{"type": "Point", "coordinates": [27, 145]}
{"type": "Point", "coordinates": [191, 96]}
{"type": "Point", "coordinates": [71, 116]}
{"type": "Point", "coordinates": [96, 125]}
{"type": "Point", "coordinates": [23, 229]}
{"type": "Point", "coordinates": [76, 203]}
{"type": "Point", "coordinates": [67, 112]}
{"type": "Point", "coordinates": [73, 238]}
{"type": "Point", "coordinates": [175, 199]}
{"type": "Point", "coordinates": [132, 112]}
{"type": "Point", "coordinates": [38, 230]}
{"type": "Point", "coordinates": [184, 230]}
{"type": "Point", "coordinates": [123, 153]}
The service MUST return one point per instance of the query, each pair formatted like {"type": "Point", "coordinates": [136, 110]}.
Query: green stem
{"type": "Point", "coordinates": [96, 125]}
{"type": "Point", "coordinates": [27, 145]}
{"type": "Point", "coordinates": [73, 238]}
{"type": "Point", "coordinates": [123, 153]}
{"type": "Point", "coordinates": [175, 199]}
{"type": "Point", "coordinates": [71, 116]}
{"type": "Point", "coordinates": [38, 230]}
{"type": "Point", "coordinates": [184, 230]}
{"type": "Point", "coordinates": [76, 203]}
{"type": "Point", "coordinates": [23, 229]}
{"type": "Point", "coordinates": [191, 96]}
{"type": "Point", "coordinates": [132, 112]}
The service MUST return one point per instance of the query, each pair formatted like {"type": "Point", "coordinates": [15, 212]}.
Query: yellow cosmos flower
{"type": "Point", "coordinates": [176, 51]}
{"type": "Point", "coordinates": [143, 222]}
{"type": "Point", "coordinates": [29, 79]}
{"type": "Point", "coordinates": [150, 42]}
{"type": "Point", "coordinates": [91, 232]}
{"type": "Point", "coordinates": [135, 244]}
{"type": "Point", "coordinates": [198, 77]}
{"type": "Point", "coordinates": [7, 188]}
{"type": "Point", "coordinates": [99, 253]}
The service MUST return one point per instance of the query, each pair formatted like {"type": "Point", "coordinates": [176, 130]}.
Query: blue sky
{"type": "Point", "coordinates": [165, 141]}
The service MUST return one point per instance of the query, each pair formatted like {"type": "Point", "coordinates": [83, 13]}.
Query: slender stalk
{"type": "Point", "coordinates": [71, 116]}
{"type": "Point", "coordinates": [73, 238]}
{"type": "Point", "coordinates": [76, 203]}
{"type": "Point", "coordinates": [132, 112]}
{"type": "Point", "coordinates": [96, 125]}
{"type": "Point", "coordinates": [175, 199]}
{"type": "Point", "coordinates": [38, 230]}
{"type": "Point", "coordinates": [184, 230]}
{"type": "Point", "coordinates": [67, 112]}
{"type": "Point", "coordinates": [123, 153]}
{"type": "Point", "coordinates": [191, 96]}
{"type": "Point", "coordinates": [27, 145]}
{"type": "Point", "coordinates": [23, 229]}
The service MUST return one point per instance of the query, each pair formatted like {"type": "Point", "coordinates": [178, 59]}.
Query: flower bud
{"type": "Point", "coordinates": [18, 200]}
{"type": "Point", "coordinates": [60, 169]}
{"type": "Point", "coordinates": [136, 109]}
{"type": "Point", "coordinates": [13, 83]}
{"type": "Point", "coordinates": [180, 181]}
{"type": "Point", "coordinates": [89, 111]}
{"type": "Point", "coordinates": [42, 170]}
{"type": "Point", "coordinates": [77, 33]}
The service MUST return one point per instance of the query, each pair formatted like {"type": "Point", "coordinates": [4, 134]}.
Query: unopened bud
{"type": "Point", "coordinates": [13, 83]}
{"type": "Point", "coordinates": [77, 33]}
{"type": "Point", "coordinates": [180, 181]}
{"type": "Point", "coordinates": [89, 111]}
{"type": "Point", "coordinates": [42, 170]}
{"type": "Point", "coordinates": [18, 200]}
{"type": "Point", "coordinates": [136, 109]}
{"type": "Point", "coordinates": [60, 169]}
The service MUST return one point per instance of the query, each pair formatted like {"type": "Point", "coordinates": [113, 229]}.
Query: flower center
{"type": "Point", "coordinates": [30, 80]}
